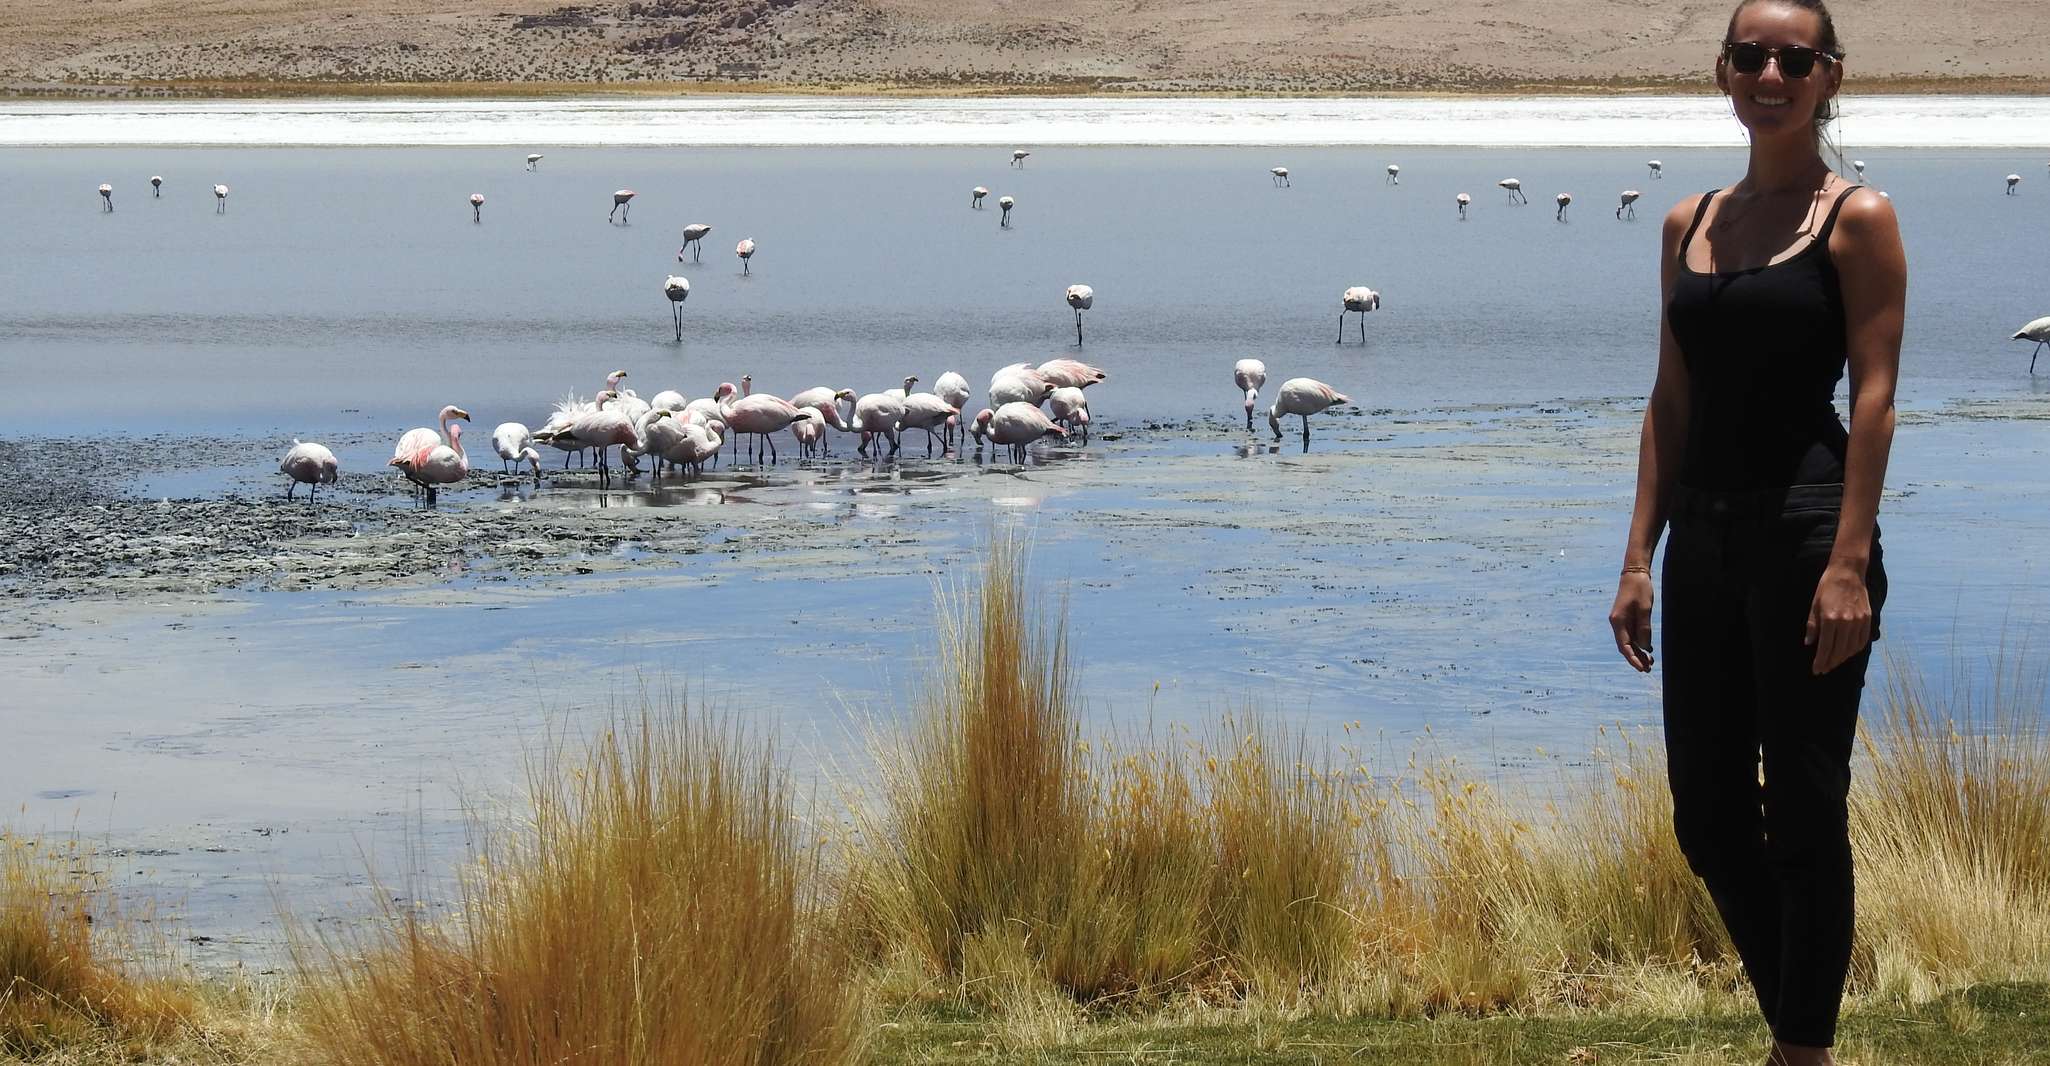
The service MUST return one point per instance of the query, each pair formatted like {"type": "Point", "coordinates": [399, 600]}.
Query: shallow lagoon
{"type": "Point", "coordinates": [1441, 559]}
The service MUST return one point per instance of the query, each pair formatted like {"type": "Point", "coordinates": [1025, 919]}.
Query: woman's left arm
{"type": "Point", "coordinates": [1873, 269]}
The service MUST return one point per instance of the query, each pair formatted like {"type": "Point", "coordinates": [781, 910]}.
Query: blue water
{"type": "Point", "coordinates": [1441, 561]}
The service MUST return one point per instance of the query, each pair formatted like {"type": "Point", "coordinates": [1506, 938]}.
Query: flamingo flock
{"type": "Point", "coordinates": [1026, 403]}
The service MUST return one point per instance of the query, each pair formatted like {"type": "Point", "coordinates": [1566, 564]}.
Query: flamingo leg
{"type": "Point", "coordinates": [1341, 327]}
{"type": "Point", "coordinates": [291, 486]}
{"type": "Point", "coordinates": [2034, 354]}
{"type": "Point", "coordinates": [1306, 433]}
{"type": "Point", "coordinates": [1363, 329]}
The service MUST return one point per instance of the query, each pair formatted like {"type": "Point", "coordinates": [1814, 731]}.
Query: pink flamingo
{"type": "Point", "coordinates": [1018, 383]}
{"type": "Point", "coordinates": [953, 388]}
{"type": "Point", "coordinates": [441, 464]}
{"type": "Point", "coordinates": [622, 204]}
{"type": "Point", "coordinates": [1071, 409]}
{"type": "Point", "coordinates": [1304, 397]}
{"type": "Point", "coordinates": [309, 464]}
{"type": "Point", "coordinates": [878, 415]}
{"type": "Point", "coordinates": [926, 411]}
{"type": "Point", "coordinates": [1070, 373]}
{"type": "Point", "coordinates": [415, 442]}
{"type": "Point", "coordinates": [602, 427]}
{"type": "Point", "coordinates": [758, 415]}
{"type": "Point", "coordinates": [826, 401]}
{"type": "Point", "coordinates": [1249, 375]}
{"type": "Point", "coordinates": [808, 430]}
{"type": "Point", "coordinates": [1018, 425]}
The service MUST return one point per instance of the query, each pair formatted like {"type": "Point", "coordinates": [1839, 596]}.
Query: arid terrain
{"type": "Point", "coordinates": [1205, 46]}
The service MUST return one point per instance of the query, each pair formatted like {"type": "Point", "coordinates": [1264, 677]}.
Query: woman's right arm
{"type": "Point", "coordinates": [1658, 459]}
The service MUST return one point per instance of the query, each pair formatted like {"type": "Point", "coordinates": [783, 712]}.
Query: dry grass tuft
{"type": "Point", "coordinates": [68, 978]}
{"type": "Point", "coordinates": [660, 907]}
{"type": "Point", "coordinates": [1012, 861]}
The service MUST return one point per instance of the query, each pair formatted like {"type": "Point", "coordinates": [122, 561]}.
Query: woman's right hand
{"type": "Point", "coordinates": [1630, 618]}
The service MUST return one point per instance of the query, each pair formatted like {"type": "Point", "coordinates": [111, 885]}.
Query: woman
{"type": "Point", "coordinates": [1773, 581]}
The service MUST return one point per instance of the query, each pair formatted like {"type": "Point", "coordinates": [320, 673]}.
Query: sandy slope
{"type": "Point", "coordinates": [1272, 45]}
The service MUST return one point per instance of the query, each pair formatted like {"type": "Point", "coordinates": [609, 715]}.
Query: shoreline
{"type": "Point", "coordinates": [760, 118]}
{"type": "Point", "coordinates": [143, 89]}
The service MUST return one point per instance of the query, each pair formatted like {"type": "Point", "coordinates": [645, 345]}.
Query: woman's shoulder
{"type": "Point", "coordinates": [1864, 210]}
{"type": "Point", "coordinates": [1683, 213]}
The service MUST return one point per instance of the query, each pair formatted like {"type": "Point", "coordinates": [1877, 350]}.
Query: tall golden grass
{"type": "Point", "coordinates": [68, 977]}
{"type": "Point", "coordinates": [666, 901]}
{"type": "Point", "coordinates": [659, 907]}
{"type": "Point", "coordinates": [1013, 861]}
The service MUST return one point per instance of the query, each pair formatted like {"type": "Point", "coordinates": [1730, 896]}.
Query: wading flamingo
{"type": "Point", "coordinates": [953, 388]}
{"type": "Point", "coordinates": [975, 196]}
{"type": "Point", "coordinates": [1658, 169]}
{"type": "Point", "coordinates": [532, 159]}
{"type": "Point", "coordinates": [1004, 204]}
{"type": "Point", "coordinates": [878, 414]}
{"type": "Point", "coordinates": [1280, 177]}
{"type": "Point", "coordinates": [1564, 200]}
{"type": "Point", "coordinates": [808, 431]}
{"type": "Point", "coordinates": [220, 199]}
{"type": "Point", "coordinates": [476, 207]}
{"type": "Point", "coordinates": [1018, 383]}
{"type": "Point", "coordinates": [1463, 200]}
{"type": "Point", "coordinates": [1859, 166]}
{"type": "Point", "coordinates": [415, 441]}
{"type": "Point", "coordinates": [1628, 207]}
{"type": "Point", "coordinates": [826, 400]}
{"type": "Point", "coordinates": [1358, 299]}
{"type": "Point", "coordinates": [2012, 181]}
{"type": "Point", "coordinates": [1071, 409]}
{"type": "Point", "coordinates": [1394, 174]}
{"type": "Point", "coordinates": [2038, 331]}
{"type": "Point", "coordinates": [309, 464]}
{"type": "Point", "coordinates": [909, 380]}
{"type": "Point", "coordinates": [1072, 373]}
{"type": "Point", "coordinates": [1081, 298]}
{"type": "Point", "coordinates": [927, 411]}
{"type": "Point", "coordinates": [514, 443]}
{"type": "Point", "coordinates": [445, 464]}
{"type": "Point", "coordinates": [1017, 425]}
{"type": "Point", "coordinates": [1303, 397]}
{"type": "Point", "coordinates": [1249, 375]}
{"type": "Point", "coordinates": [441, 464]}
{"type": "Point", "coordinates": [607, 423]}
{"type": "Point", "coordinates": [622, 204]}
{"type": "Point", "coordinates": [1018, 158]}
{"type": "Point", "coordinates": [156, 186]}
{"type": "Point", "coordinates": [1515, 188]}
{"type": "Point", "coordinates": [677, 288]}
{"type": "Point", "coordinates": [659, 434]}
{"type": "Point", "coordinates": [106, 197]}
{"type": "Point", "coordinates": [692, 234]}
{"type": "Point", "coordinates": [746, 251]}
{"type": "Point", "coordinates": [759, 415]}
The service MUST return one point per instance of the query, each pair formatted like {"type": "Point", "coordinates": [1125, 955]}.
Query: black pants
{"type": "Point", "coordinates": [1740, 573]}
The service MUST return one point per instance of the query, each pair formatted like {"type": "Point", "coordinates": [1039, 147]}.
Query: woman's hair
{"type": "Point", "coordinates": [1825, 110]}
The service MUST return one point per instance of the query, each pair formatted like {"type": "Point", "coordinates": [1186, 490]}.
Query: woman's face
{"type": "Point", "coordinates": [1769, 103]}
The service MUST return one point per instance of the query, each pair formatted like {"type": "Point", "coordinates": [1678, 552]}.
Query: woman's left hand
{"type": "Point", "coordinates": [1839, 619]}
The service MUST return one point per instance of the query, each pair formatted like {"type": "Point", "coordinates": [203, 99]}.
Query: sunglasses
{"type": "Point", "coordinates": [1796, 61]}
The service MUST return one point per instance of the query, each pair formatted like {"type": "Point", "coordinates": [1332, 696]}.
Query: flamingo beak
{"type": "Point", "coordinates": [462, 414]}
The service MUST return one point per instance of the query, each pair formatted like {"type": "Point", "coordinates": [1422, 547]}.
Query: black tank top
{"type": "Point", "coordinates": [1764, 350]}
